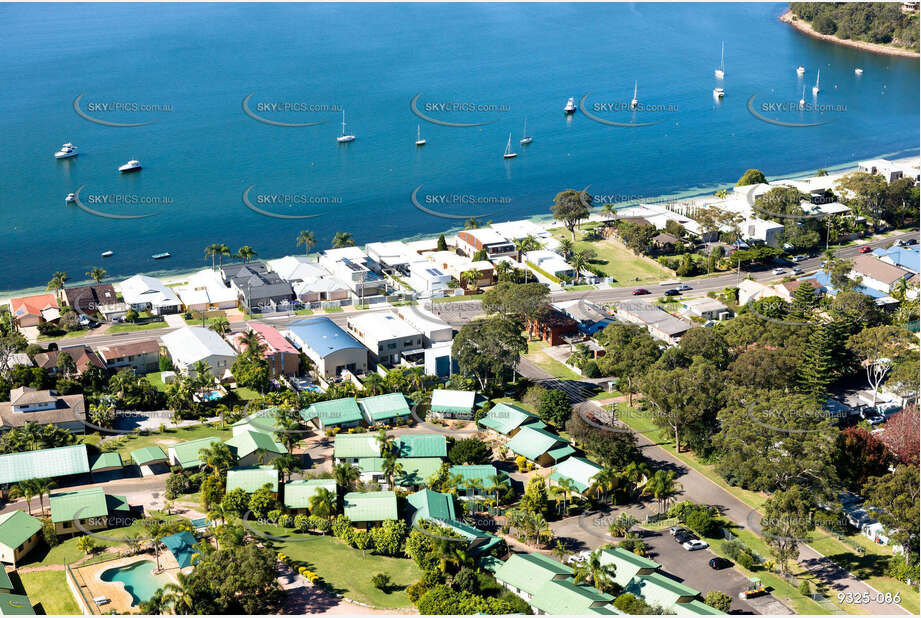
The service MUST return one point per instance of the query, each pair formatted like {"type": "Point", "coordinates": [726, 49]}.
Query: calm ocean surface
{"type": "Point", "coordinates": [198, 62]}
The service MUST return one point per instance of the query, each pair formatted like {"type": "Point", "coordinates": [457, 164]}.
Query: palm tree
{"type": "Point", "coordinates": [469, 278]}
{"type": "Point", "coordinates": [286, 465]}
{"type": "Point", "coordinates": [222, 252]}
{"type": "Point", "coordinates": [156, 528]}
{"type": "Point", "coordinates": [373, 384]}
{"type": "Point", "coordinates": [523, 245]}
{"type": "Point", "coordinates": [566, 487]}
{"type": "Point", "coordinates": [635, 473]}
{"type": "Point", "coordinates": [218, 457]}
{"type": "Point", "coordinates": [179, 597]}
{"type": "Point", "coordinates": [474, 485]}
{"type": "Point", "coordinates": [622, 524]}
{"type": "Point", "coordinates": [343, 239]}
{"type": "Point", "coordinates": [322, 503]}
{"type": "Point", "coordinates": [604, 481]}
{"type": "Point", "coordinates": [57, 282]}
{"type": "Point", "coordinates": [97, 274]}
{"type": "Point", "coordinates": [291, 434]}
{"type": "Point", "coordinates": [385, 443]}
{"type": "Point", "coordinates": [560, 550]}
{"type": "Point", "coordinates": [579, 261]}
{"type": "Point", "coordinates": [306, 238]}
{"type": "Point", "coordinates": [157, 604]}
{"type": "Point", "coordinates": [496, 484]}
{"type": "Point", "coordinates": [213, 250]}
{"type": "Point", "coordinates": [24, 489]}
{"type": "Point", "coordinates": [601, 576]}
{"type": "Point", "coordinates": [391, 469]}
{"type": "Point", "coordinates": [565, 247]}
{"type": "Point", "coordinates": [472, 223]}
{"type": "Point", "coordinates": [220, 325]}
{"type": "Point", "coordinates": [346, 475]}
{"type": "Point", "coordinates": [42, 487]}
{"type": "Point", "coordinates": [662, 487]}
{"type": "Point", "coordinates": [246, 253]}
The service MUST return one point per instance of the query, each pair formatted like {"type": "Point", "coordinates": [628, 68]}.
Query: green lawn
{"type": "Point", "coordinates": [456, 299]}
{"type": "Point", "coordinates": [67, 335]}
{"type": "Point", "coordinates": [165, 439]}
{"type": "Point", "coordinates": [246, 394]}
{"type": "Point", "coordinates": [156, 380]}
{"type": "Point", "coordinates": [616, 261]}
{"type": "Point", "coordinates": [548, 364]}
{"type": "Point", "coordinates": [303, 312]}
{"type": "Point", "coordinates": [49, 592]}
{"type": "Point", "coordinates": [66, 551]}
{"type": "Point", "coordinates": [130, 328]}
{"type": "Point", "coordinates": [349, 570]}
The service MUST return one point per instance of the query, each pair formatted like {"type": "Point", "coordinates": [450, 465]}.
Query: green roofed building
{"type": "Point", "coordinates": [186, 454]}
{"type": "Point", "coordinates": [448, 403]}
{"type": "Point", "coordinates": [385, 409]}
{"type": "Point", "coordinates": [415, 473]}
{"type": "Point", "coordinates": [183, 546]}
{"type": "Point", "coordinates": [351, 447]}
{"type": "Point", "coordinates": [6, 584]}
{"type": "Point", "coordinates": [526, 574]}
{"type": "Point", "coordinates": [73, 512]}
{"type": "Point", "coordinates": [336, 413]}
{"type": "Point", "coordinates": [698, 608]}
{"type": "Point", "coordinates": [430, 505]}
{"type": "Point", "coordinates": [299, 493]}
{"type": "Point", "coordinates": [657, 589]}
{"type": "Point", "coordinates": [483, 473]}
{"type": "Point", "coordinates": [540, 446]}
{"type": "Point", "coordinates": [365, 508]}
{"type": "Point", "coordinates": [480, 542]}
{"type": "Point", "coordinates": [422, 445]}
{"type": "Point", "coordinates": [15, 605]}
{"type": "Point", "coordinates": [560, 597]}
{"type": "Point", "coordinates": [251, 478]}
{"type": "Point", "coordinates": [265, 421]}
{"type": "Point", "coordinates": [19, 534]}
{"type": "Point", "coordinates": [149, 456]}
{"type": "Point", "coordinates": [580, 472]}
{"type": "Point", "coordinates": [507, 419]}
{"type": "Point", "coordinates": [44, 464]}
{"type": "Point", "coordinates": [106, 462]}
{"type": "Point", "coordinates": [627, 565]}
{"type": "Point", "coordinates": [255, 448]}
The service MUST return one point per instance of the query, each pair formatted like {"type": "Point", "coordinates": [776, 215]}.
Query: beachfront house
{"type": "Point", "coordinates": [310, 281]}
{"type": "Point", "coordinates": [390, 339]}
{"type": "Point", "coordinates": [427, 279]}
{"type": "Point", "coordinates": [34, 310]}
{"type": "Point", "coordinates": [143, 293]}
{"type": "Point", "coordinates": [258, 288]}
{"type": "Point", "coordinates": [86, 299]}
{"type": "Point", "coordinates": [206, 291]}
{"type": "Point", "coordinates": [359, 272]}
{"type": "Point", "coordinates": [192, 344]}
{"type": "Point", "coordinates": [495, 244]}
{"type": "Point", "coordinates": [332, 349]}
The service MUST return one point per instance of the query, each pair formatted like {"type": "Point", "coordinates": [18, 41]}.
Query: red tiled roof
{"type": "Point", "coordinates": [273, 338]}
{"type": "Point", "coordinates": [32, 305]}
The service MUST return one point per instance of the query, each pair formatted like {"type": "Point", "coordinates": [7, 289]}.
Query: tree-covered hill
{"type": "Point", "coordinates": [872, 22]}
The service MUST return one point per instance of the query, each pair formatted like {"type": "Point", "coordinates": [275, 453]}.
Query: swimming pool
{"type": "Point", "coordinates": [138, 578]}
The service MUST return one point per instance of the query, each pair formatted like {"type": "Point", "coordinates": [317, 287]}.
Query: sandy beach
{"type": "Point", "coordinates": [875, 48]}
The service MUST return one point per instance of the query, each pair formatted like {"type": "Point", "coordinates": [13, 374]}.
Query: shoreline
{"type": "Point", "coordinates": [180, 275]}
{"type": "Point", "coordinates": [877, 48]}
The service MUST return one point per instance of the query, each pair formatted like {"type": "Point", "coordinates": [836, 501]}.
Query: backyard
{"type": "Point", "coordinates": [616, 260]}
{"type": "Point", "coordinates": [49, 592]}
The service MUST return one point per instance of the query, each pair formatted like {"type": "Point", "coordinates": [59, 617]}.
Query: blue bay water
{"type": "Point", "coordinates": [527, 59]}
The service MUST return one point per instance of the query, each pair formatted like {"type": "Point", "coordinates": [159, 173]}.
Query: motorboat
{"type": "Point", "coordinates": [131, 166]}
{"type": "Point", "coordinates": [67, 151]}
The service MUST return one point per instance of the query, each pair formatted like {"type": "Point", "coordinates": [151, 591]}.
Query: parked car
{"type": "Point", "coordinates": [799, 258]}
{"type": "Point", "coordinates": [579, 558]}
{"type": "Point", "coordinates": [778, 271]}
{"type": "Point", "coordinates": [866, 249]}
{"type": "Point", "coordinates": [676, 529]}
{"type": "Point", "coordinates": [684, 287]}
{"type": "Point", "coordinates": [673, 292]}
{"type": "Point", "coordinates": [719, 563]}
{"type": "Point", "coordinates": [684, 537]}
{"type": "Point", "coordinates": [695, 544]}
{"type": "Point", "coordinates": [911, 241]}
{"type": "Point", "coordinates": [640, 291]}
{"type": "Point", "coordinates": [796, 270]}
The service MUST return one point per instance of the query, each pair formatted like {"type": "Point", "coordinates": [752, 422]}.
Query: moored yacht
{"type": "Point", "coordinates": [719, 93]}
{"type": "Point", "coordinates": [420, 141]}
{"type": "Point", "coordinates": [858, 71]}
{"type": "Point", "coordinates": [634, 103]}
{"type": "Point", "coordinates": [131, 166]}
{"type": "Point", "coordinates": [67, 151]}
{"type": "Point", "coordinates": [525, 138]}
{"type": "Point", "coordinates": [343, 136]}
{"type": "Point", "coordinates": [800, 70]}
{"type": "Point", "coordinates": [721, 72]}
{"type": "Point", "coordinates": [570, 106]}
{"type": "Point", "coordinates": [70, 198]}
{"type": "Point", "coordinates": [107, 253]}
{"type": "Point", "coordinates": [508, 149]}
{"type": "Point", "coordinates": [815, 89]}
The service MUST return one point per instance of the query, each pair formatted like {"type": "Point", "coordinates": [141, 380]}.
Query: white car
{"type": "Point", "coordinates": [695, 544]}
{"type": "Point", "coordinates": [684, 287]}
{"type": "Point", "coordinates": [800, 258]}
{"type": "Point", "coordinates": [796, 270]}
{"type": "Point", "coordinates": [778, 271]}
{"type": "Point", "coordinates": [578, 558]}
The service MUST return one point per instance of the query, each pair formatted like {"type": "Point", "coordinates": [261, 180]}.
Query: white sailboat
{"type": "Point", "coordinates": [508, 149]}
{"type": "Point", "coordinates": [525, 138]}
{"type": "Point", "coordinates": [719, 93]}
{"type": "Point", "coordinates": [815, 89]}
{"type": "Point", "coordinates": [634, 102]}
{"type": "Point", "coordinates": [419, 140]}
{"type": "Point", "coordinates": [720, 72]}
{"type": "Point", "coordinates": [802, 101]}
{"type": "Point", "coordinates": [344, 137]}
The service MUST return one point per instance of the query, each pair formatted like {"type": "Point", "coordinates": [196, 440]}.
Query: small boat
{"type": "Point", "coordinates": [131, 166]}
{"type": "Point", "coordinates": [525, 138]}
{"type": "Point", "coordinates": [160, 256]}
{"type": "Point", "coordinates": [719, 93]}
{"type": "Point", "coordinates": [344, 137]}
{"type": "Point", "coordinates": [802, 101]}
{"type": "Point", "coordinates": [570, 106]}
{"type": "Point", "coordinates": [634, 102]}
{"type": "Point", "coordinates": [721, 72]}
{"type": "Point", "coordinates": [419, 140]}
{"type": "Point", "coordinates": [67, 151]}
{"type": "Point", "coordinates": [508, 149]}
{"type": "Point", "coordinates": [70, 198]}
{"type": "Point", "coordinates": [815, 89]}
{"type": "Point", "coordinates": [800, 70]}
{"type": "Point", "coordinates": [858, 71]}
{"type": "Point", "coordinates": [107, 253]}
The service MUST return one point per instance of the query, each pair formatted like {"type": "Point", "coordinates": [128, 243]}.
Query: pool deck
{"type": "Point", "coordinates": [121, 599]}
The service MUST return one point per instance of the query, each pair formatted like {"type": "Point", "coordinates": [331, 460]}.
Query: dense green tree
{"type": "Point", "coordinates": [895, 501]}
{"type": "Point", "coordinates": [629, 351]}
{"type": "Point", "coordinates": [521, 301]}
{"type": "Point", "coordinates": [488, 349]}
{"type": "Point", "coordinates": [469, 451]}
{"type": "Point", "coordinates": [680, 398]}
{"type": "Point", "coordinates": [571, 207]}
{"type": "Point", "coordinates": [554, 408]}
{"type": "Point", "coordinates": [718, 600]}
{"type": "Point", "coordinates": [817, 369]}
{"type": "Point", "coordinates": [786, 522]}
{"type": "Point", "coordinates": [859, 455]}
{"type": "Point", "coordinates": [751, 177]}
{"type": "Point", "coordinates": [708, 343]}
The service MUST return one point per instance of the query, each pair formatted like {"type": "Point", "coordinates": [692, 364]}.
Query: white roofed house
{"type": "Point", "coordinates": [550, 262]}
{"type": "Point", "coordinates": [192, 344]}
{"type": "Point", "coordinates": [390, 339]}
{"type": "Point", "coordinates": [359, 272]}
{"type": "Point", "coordinates": [206, 290]}
{"type": "Point", "coordinates": [887, 169]}
{"type": "Point", "coordinates": [456, 265]}
{"type": "Point", "coordinates": [495, 244]}
{"type": "Point", "coordinates": [310, 282]}
{"type": "Point", "coordinates": [428, 279]}
{"type": "Point", "coordinates": [394, 257]}
{"type": "Point", "coordinates": [438, 337]}
{"type": "Point", "coordinates": [143, 293]}
{"type": "Point", "coordinates": [708, 308]}
{"type": "Point", "coordinates": [661, 324]}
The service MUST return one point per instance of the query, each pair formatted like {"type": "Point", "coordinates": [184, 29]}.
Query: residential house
{"type": "Point", "coordinates": [254, 448]}
{"type": "Point", "coordinates": [540, 446]}
{"type": "Point", "coordinates": [192, 344]}
{"type": "Point", "coordinates": [552, 327]}
{"type": "Point", "coordinates": [658, 590]}
{"type": "Point", "coordinates": [282, 357]}
{"type": "Point", "coordinates": [518, 230]}
{"type": "Point", "coordinates": [434, 329]}
{"type": "Point", "coordinates": [259, 288]}
{"type": "Point", "coordinates": [44, 407]}
{"type": "Point", "coordinates": [386, 409]}
{"type": "Point", "coordinates": [19, 534]}
{"type": "Point", "coordinates": [578, 471]}
{"type": "Point", "coordinates": [43, 463]}
{"type": "Point", "coordinates": [877, 274]}
{"type": "Point", "coordinates": [565, 597]}
{"type": "Point", "coordinates": [332, 349]}
{"type": "Point", "coordinates": [15, 359]}
{"type": "Point", "coordinates": [495, 245]}
{"type": "Point", "coordinates": [428, 279]}
{"type": "Point", "coordinates": [707, 308]}
{"type": "Point", "coordinates": [353, 447]}
{"type": "Point", "coordinates": [34, 310]}
{"type": "Point", "coordinates": [187, 454]}
{"type": "Point", "coordinates": [263, 421]}
{"type": "Point", "coordinates": [908, 258]}
{"type": "Point", "coordinates": [549, 263]}
{"type": "Point", "coordinates": [87, 299]}
{"type": "Point", "coordinates": [430, 506]}
{"type": "Point", "coordinates": [447, 403]}
{"type": "Point", "coordinates": [786, 289]}
{"type": "Point", "coordinates": [207, 291]}
{"type": "Point", "coordinates": [590, 316]}
{"type": "Point", "coordinates": [394, 257]}
{"type": "Point", "coordinates": [85, 510]}
{"type": "Point", "coordinates": [151, 460]}
{"type": "Point", "coordinates": [310, 282]}
{"type": "Point", "coordinates": [365, 509]}
{"type": "Point", "coordinates": [414, 471]}
{"type": "Point", "coordinates": [83, 357]}
{"type": "Point", "coordinates": [141, 356]}
{"type": "Point", "coordinates": [627, 565]}
{"type": "Point", "coordinates": [475, 481]}
{"type": "Point", "coordinates": [882, 167]}
{"type": "Point", "coordinates": [750, 290]}
{"type": "Point", "coordinates": [343, 413]}
{"type": "Point", "coordinates": [104, 463]}
{"type": "Point", "coordinates": [297, 494]}
{"type": "Point", "coordinates": [421, 445]}
{"type": "Point", "coordinates": [665, 242]}
{"type": "Point", "coordinates": [526, 574]}
{"type": "Point", "coordinates": [661, 324]}
{"type": "Point", "coordinates": [507, 419]}
{"type": "Point", "coordinates": [184, 547]}
{"type": "Point", "coordinates": [456, 265]}
{"type": "Point", "coordinates": [143, 293]}
{"type": "Point", "coordinates": [359, 272]}
{"type": "Point", "coordinates": [252, 478]}
{"type": "Point", "coordinates": [389, 338]}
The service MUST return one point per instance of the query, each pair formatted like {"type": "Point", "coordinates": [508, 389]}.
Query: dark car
{"type": "Point", "coordinates": [640, 291]}
{"type": "Point", "coordinates": [866, 249]}
{"type": "Point", "coordinates": [911, 241]}
{"type": "Point", "coordinates": [673, 292]}
{"type": "Point", "coordinates": [719, 563]}
{"type": "Point", "coordinates": [683, 537]}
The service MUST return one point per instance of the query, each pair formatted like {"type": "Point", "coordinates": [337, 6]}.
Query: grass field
{"type": "Point", "coordinates": [554, 367]}
{"type": "Point", "coordinates": [349, 570]}
{"type": "Point", "coordinates": [456, 299]}
{"type": "Point", "coordinates": [617, 261]}
{"type": "Point", "coordinates": [49, 592]}
{"type": "Point", "coordinates": [164, 439]}
{"type": "Point", "coordinates": [130, 328]}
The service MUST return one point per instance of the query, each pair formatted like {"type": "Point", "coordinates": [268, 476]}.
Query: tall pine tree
{"type": "Point", "coordinates": [818, 368]}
